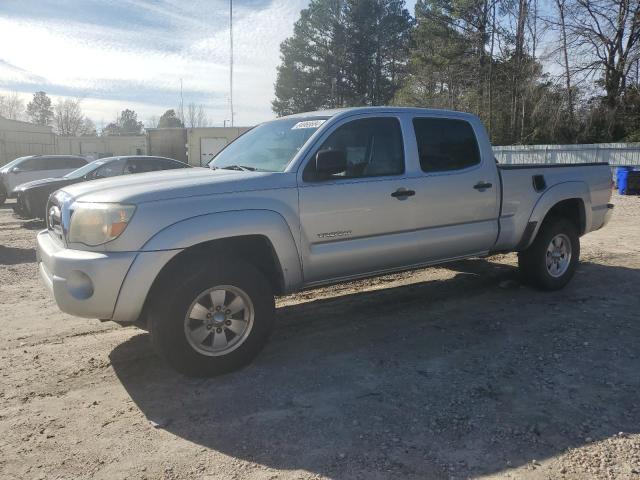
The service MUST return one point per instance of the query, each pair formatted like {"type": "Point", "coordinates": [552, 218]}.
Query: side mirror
{"type": "Point", "coordinates": [330, 162]}
{"type": "Point", "coordinates": [16, 170]}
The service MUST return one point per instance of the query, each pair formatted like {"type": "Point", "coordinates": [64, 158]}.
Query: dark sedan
{"type": "Point", "coordinates": [32, 197]}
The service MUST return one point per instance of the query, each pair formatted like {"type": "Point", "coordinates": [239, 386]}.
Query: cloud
{"type": "Point", "coordinates": [117, 54]}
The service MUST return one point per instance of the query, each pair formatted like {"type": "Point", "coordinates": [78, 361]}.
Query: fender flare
{"type": "Point", "coordinates": [235, 223]}
{"type": "Point", "coordinates": [554, 195]}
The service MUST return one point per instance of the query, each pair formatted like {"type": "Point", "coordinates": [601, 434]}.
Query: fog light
{"type": "Point", "coordinates": [79, 285]}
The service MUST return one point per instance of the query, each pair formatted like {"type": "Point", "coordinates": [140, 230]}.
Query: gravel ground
{"type": "Point", "coordinates": [449, 372]}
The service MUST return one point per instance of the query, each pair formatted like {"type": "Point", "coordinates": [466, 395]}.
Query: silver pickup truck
{"type": "Point", "coordinates": [197, 255]}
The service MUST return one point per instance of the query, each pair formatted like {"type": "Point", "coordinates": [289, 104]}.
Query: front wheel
{"type": "Point", "coordinates": [215, 318]}
{"type": "Point", "coordinates": [551, 260]}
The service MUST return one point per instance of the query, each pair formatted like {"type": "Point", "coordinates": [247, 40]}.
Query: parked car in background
{"type": "Point", "coordinates": [35, 167]}
{"type": "Point", "coordinates": [32, 196]}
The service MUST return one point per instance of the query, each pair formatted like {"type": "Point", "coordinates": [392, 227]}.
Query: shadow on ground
{"type": "Point", "coordinates": [457, 377]}
{"type": "Point", "coordinates": [34, 224]}
{"type": "Point", "coordinates": [15, 255]}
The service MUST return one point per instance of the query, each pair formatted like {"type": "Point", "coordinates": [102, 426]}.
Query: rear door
{"type": "Point", "coordinates": [456, 204]}
{"type": "Point", "coordinates": [349, 221]}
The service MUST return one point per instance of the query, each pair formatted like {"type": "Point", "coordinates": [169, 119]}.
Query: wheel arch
{"type": "Point", "coordinates": [261, 236]}
{"type": "Point", "coordinates": [570, 200]}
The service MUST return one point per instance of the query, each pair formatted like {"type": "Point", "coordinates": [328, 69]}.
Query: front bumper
{"type": "Point", "coordinates": [86, 284]}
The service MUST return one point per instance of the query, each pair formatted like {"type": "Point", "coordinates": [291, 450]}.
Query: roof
{"type": "Point", "coordinates": [383, 109]}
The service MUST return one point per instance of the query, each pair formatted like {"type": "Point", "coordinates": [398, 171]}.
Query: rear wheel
{"type": "Point", "coordinates": [550, 262]}
{"type": "Point", "coordinates": [3, 196]}
{"type": "Point", "coordinates": [215, 318]}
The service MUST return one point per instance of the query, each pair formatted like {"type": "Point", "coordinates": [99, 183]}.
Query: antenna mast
{"type": "Point", "coordinates": [231, 59]}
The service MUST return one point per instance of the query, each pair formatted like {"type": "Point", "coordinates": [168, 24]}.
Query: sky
{"type": "Point", "coordinates": [121, 54]}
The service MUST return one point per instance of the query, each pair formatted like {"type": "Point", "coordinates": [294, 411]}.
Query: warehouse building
{"type": "Point", "coordinates": [99, 147]}
{"type": "Point", "coordinates": [18, 139]}
{"type": "Point", "coordinates": [196, 146]}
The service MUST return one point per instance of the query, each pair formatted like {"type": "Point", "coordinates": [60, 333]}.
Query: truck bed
{"type": "Point", "coordinates": [525, 185]}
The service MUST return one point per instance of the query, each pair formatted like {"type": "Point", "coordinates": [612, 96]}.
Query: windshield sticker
{"type": "Point", "coordinates": [308, 124]}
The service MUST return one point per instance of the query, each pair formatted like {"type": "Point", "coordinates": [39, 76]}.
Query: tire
{"type": "Point", "coordinates": [3, 196]}
{"type": "Point", "coordinates": [191, 324]}
{"type": "Point", "coordinates": [545, 266]}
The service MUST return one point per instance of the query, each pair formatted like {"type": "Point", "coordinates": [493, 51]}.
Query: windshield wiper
{"type": "Point", "coordinates": [239, 167]}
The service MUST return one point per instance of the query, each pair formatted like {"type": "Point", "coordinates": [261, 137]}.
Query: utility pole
{"type": "Point", "coordinates": [231, 58]}
{"type": "Point", "coordinates": [181, 104]}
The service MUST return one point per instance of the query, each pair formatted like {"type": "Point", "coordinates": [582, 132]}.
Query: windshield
{"type": "Point", "coordinates": [82, 171]}
{"type": "Point", "coordinates": [7, 166]}
{"type": "Point", "coordinates": [268, 147]}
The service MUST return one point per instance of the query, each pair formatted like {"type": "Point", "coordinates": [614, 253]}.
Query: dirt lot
{"type": "Point", "coordinates": [444, 373]}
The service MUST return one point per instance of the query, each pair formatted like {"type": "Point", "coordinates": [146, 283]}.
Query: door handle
{"type": "Point", "coordinates": [482, 185]}
{"type": "Point", "coordinates": [403, 193]}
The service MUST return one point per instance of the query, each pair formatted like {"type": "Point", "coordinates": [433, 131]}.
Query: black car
{"type": "Point", "coordinates": [32, 197]}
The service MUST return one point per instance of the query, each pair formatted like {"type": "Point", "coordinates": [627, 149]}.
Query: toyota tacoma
{"type": "Point", "coordinates": [196, 256]}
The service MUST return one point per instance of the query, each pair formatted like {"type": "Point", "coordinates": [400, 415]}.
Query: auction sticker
{"type": "Point", "coordinates": [308, 124]}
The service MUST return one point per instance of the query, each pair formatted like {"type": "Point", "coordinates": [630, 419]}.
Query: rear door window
{"type": "Point", "coordinates": [35, 164]}
{"type": "Point", "coordinates": [140, 165]}
{"type": "Point", "coordinates": [74, 162]}
{"type": "Point", "coordinates": [445, 144]}
{"type": "Point", "coordinates": [165, 164]}
{"type": "Point", "coordinates": [58, 163]}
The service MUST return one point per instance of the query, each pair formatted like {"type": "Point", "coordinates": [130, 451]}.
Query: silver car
{"type": "Point", "coordinates": [35, 167]}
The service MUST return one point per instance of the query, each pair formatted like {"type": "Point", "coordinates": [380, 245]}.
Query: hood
{"type": "Point", "coordinates": [180, 183]}
{"type": "Point", "coordinates": [45, 181]}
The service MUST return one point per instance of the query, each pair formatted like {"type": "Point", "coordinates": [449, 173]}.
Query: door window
{"type": "Point", "coordinates": [138, 165]}
{"type": "Point", "coordinates": [110, 169]}
{"type": "Point", "coordinates": [170, 164]}
{"type": "Point", "coordinates": [61, 163]}
{"type": "Point", "coordinates": [34, 164]}
{"type": "Point", "coordinates": [372, 147]}
{"type": "Point", "coordinates": [74, 162]}
{"type": "Point", "coordinates": [151, 164]}
{"type": "Point", "coordinates": [445, 144]}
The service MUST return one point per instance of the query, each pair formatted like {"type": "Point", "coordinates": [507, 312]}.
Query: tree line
{"type": "Point", "coordinates": [566, 71]}
{"type": "Point", "coordinates": [67, 118]}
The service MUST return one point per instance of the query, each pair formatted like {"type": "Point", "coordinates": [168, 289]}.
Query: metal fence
{"type": "Point", "coordinates": [617, 154]}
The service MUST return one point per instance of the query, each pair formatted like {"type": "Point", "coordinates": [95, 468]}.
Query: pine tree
{"type": "Point", "coordinates": [343, 53]}
{"type": "Point", "coordinates": [39, 109]}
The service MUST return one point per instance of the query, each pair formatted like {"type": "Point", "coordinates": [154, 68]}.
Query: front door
{"type": "Point", "coordinates": [350, 220]}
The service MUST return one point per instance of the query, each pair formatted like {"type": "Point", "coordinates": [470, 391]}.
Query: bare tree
{"type": "Point", "coordinates": [68, 118]}
{"type": "Point", "coordinates": [88, 128]}
{"type": "Point", "coordinates": [565, 55]}
{"type": "Point", "coordinates": [196, 116]}
{"type": "Point", "coordinates": [12, 106]}
{"type": "Point", "coordinates": [607, 37]}
{"type": "Point", "coordinates": [152, 122]}
{"type": "Point", "coordinates": [519, 55]}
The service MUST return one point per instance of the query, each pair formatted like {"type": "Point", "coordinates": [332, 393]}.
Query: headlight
{"type": "Point", "coordinates": [97, 223]}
